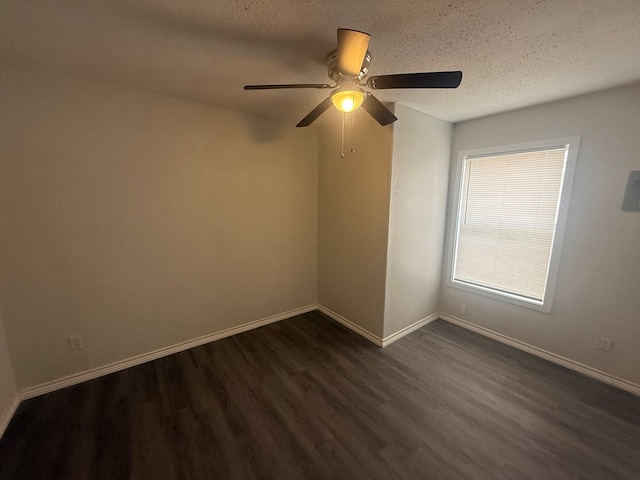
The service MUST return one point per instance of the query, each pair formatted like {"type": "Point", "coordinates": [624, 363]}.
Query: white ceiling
{"type": "Point", "coordinates": [513, 53]}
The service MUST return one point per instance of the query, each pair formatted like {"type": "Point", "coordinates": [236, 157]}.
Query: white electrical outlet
{"type": "Point", "coordinates": [75, 342]}
{"type": "Point", "coordinates": [605, 344]}
{"type": "Point", "coordinates": [462, 310]}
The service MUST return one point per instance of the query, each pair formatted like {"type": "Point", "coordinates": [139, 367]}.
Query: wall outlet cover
{"type": "Point", "coordinates": [605, 344]}
{"type": "Point", "coordinates": [75, 342]}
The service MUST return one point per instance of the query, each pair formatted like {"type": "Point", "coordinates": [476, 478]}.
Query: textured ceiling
{"type": "Point", "coordinates": [513, 53]}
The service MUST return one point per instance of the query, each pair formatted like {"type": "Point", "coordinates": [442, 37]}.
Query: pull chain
{"type": "Point", "coordinates": [342, 141]}
{"type": "Point", "coordinates": [353, 131]}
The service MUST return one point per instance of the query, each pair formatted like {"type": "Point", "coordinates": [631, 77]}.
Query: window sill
{"type": "Point", "coordinates": [544, 306]}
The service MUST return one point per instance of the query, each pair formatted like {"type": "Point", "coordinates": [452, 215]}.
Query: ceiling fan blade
{"type": "Point", "coordinates": [315, 113]}
{"type": "Point", "coordinates": [377, 110]}
{"type": "Point", "coordinates": [352, 47]}
{"type": "Point", "coordinates": [416, 80]}
{"type": "Point", "coordinates": [288, 85]}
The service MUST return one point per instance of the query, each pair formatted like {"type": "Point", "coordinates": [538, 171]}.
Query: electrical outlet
{"type": "Point", "coordinates": [75, 342]}
{"type": "Point", "coordinates": [462, 309]}
{"type": "Point", "coordinates": [605, 344]}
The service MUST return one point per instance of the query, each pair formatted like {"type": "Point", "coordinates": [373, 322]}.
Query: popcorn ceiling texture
{"type": "Point", "coordinates": [513, 53]}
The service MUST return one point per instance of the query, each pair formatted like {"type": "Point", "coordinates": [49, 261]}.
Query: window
{"type": "Point", "coordinates": [511, 209]}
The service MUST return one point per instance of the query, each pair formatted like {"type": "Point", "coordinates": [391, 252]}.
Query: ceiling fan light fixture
{"type": "Point", "coordinates": [347, 100]}
{"type": "Point", "coordinates": [347, 66]}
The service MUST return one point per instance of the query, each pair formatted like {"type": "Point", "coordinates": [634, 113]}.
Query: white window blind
{"type": "Point", "coordinates": [507, 219]}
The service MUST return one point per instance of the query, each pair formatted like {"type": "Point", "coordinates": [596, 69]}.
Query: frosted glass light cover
{"type": "Point", "coordinates": [347, 100]}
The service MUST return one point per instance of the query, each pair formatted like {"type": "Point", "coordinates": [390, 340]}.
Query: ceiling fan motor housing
{"type": "Point", "coordinates": [334, 72]}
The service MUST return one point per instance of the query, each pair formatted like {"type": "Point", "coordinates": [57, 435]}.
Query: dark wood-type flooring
{"type": "Point", "coordinates": [306, 398]}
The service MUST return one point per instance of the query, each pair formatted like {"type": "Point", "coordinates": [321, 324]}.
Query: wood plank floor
{"type": "Point", "coordinates": [307, 399]}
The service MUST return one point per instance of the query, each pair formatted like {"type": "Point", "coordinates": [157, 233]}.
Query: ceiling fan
{"type": "Point", "coordinates": [347, 66]}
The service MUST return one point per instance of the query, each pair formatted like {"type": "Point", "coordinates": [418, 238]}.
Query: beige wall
{"type": "Point", "coordinates": [139, 221]}
{"type": "Point", "coordinates": [8, 389]}
{"type": "Point", "coordinates": [353, 219]}
{"type": "Point", "coordinates": [598, 282]}
{"type": "Point", "coordinates": [420, 173]}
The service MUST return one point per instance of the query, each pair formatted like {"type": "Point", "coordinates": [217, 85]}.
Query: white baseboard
{"type": "Point", "coordinates": [8, 414]}
{"type": "Point", "coordinates": [389, 339]}
{"type": "Point", "coordinates": [552, 357]}
{"type": "Point", "coordinates": [351, 326]}
{"type": "Point", "coordinates": [380, 342]}
{"type": "Point", "coordinates": [74, 379]}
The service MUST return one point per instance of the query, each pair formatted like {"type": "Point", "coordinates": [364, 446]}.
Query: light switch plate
{"type": "Point", "coordinates": [631, 201]}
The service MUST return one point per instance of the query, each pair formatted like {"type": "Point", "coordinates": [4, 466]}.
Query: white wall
{"type": "Point", "coordinates": [381, 219]}
{"type": "Point", "coordinates": [598, 282]}
{"type": "Point", "coordinates": [8, 389]}
{"type": "Point", "coordinates": [353, 220]}
{"type": "Point", "coordinates": [139, 221]}
{"type": "Point", "coordinates": [419, 178]}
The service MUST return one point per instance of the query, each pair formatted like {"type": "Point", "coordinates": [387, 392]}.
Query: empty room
{"type": "Point", "coordinates": [320, 240]}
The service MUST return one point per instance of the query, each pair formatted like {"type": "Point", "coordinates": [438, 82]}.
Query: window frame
{"type": "Point", "coordinates": [556, 247]}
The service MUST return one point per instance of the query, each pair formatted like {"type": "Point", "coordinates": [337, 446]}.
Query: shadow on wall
{"type": "Point", "coordinates": [265, 130]}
